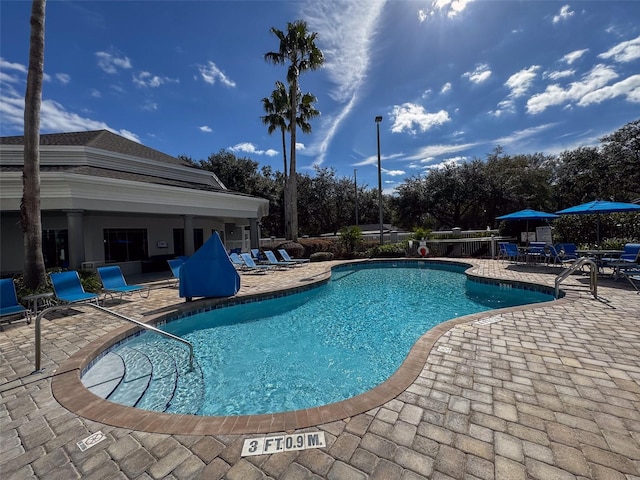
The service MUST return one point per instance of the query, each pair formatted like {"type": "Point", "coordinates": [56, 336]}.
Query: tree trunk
{"type": "Point", "coordinates": [293, 176]}
{"type": "Point", "coordinates": [285, 206]}
{"type": "Point", "coordinates": [34, 271]}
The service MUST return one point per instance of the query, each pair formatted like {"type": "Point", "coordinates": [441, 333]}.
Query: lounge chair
{"type": "Point", "coordinates": [9, 305]}
{"type": "Point", "coordinates": [113, 283]}
{"type": "Point", "coordinates": [255, 253]}
{"type": "Point", "coordinates": [285, 256]}
{"type": "Point", "coordinates": [242, 267]}
{"type": "Point", "coordinates": [174, 265]}
{"type": "Point", "coordinates": [271, 258]}
{"type": "Point", "coordinates": [68, 289]}
{"type": "Point", "coordinates": [248, 260]}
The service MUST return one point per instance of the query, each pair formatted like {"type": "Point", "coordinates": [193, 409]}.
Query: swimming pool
{"type": "Point", "coordinates": [328, 343]}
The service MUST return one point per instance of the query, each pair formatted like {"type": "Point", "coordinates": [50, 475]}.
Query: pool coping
{"type": "Point", "coordinates": [68, 390]}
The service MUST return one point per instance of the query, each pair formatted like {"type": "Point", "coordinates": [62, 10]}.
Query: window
{"type": "Point", "coordinates": [125, 244]}
{"type": "Point", "coordinates": [55, 248]}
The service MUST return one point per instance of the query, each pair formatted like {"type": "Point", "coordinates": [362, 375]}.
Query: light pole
{"type": "Point", "coordinates": [355, 183]}
{"type": "Point", "coordinates": [378, 120]}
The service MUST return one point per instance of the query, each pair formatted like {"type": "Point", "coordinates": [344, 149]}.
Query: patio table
{"type": "Point", "coordinates": [598, 255]}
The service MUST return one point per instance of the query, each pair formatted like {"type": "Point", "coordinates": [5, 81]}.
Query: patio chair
{"type": "Point", "coordinates": [633, 276]}
{"type": "Point", "coordinates": [113, 283]}
{"type": "Point", "coordinates": [512, 253]}
{"type": "Point", "coordinates": [557, 256]}
{"type": "Point", "coordinates": [536, 252]}
{"type": "Point", "coordinates": [257, 256]}
{"type": "Point", "coordinates": [250, 262]}
{"type": "Point", "coordinates": [568, 250]}
{"type": "Point", "coordinates": [242, 267]}
{"type": "Point", "coordinates": [271, 258]}
{"type": "Point", "coordinates": [68, 289]}
{"type": "Point", "coordinates": [9, 305]}
{"type": "Point", "coordinates": [285, 256]}
{"type": "Point", "coordinates": [174, 265]}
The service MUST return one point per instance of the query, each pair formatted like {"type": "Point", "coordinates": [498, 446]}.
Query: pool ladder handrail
{"type": "Point", "coordinates": [593, 271]}
{"type": "Point", "coordinates": [142, 325]}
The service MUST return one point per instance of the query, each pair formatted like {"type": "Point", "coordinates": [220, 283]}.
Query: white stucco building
{"type": "Point", "coordinates": [107, 199]}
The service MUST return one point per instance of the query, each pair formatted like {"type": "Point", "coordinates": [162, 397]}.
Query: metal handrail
{"type": "Point", "coordinates": [38, 328]}
{"type": "Point", "coordinates": [593, 270]}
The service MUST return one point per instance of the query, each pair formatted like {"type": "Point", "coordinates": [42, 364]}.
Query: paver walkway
{"type": "Point", "coordinates": [547, 392]}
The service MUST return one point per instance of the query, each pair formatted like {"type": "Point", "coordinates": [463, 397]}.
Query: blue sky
{"type": "Point", "coordinates": [452, 79]}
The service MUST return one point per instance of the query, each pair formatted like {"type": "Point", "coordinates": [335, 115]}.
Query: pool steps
{"type": "Point", "coordinates": [152, 376]}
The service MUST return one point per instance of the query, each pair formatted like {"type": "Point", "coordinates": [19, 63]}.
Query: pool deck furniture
{"type": "Point", "coordinates": [549, 391]}
{"type": "Point", "coordinates": [9, 305]}
{"type": "Point", "coordinates": [67, 288]}
{"type": "Point", "coordinates": [38, 301]}
{"type": "Point", "coordinates": [272, 260]}
{"type": "Point", "coordinates": [113, 283]}
{"type": "Point", "coordinates": [285, 256]}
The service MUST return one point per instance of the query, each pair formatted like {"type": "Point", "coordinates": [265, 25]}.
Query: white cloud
{"type": "Point", "coordinates": [564, 14]}
{"type": "Point", "coordinates": [521, 81]}
{"type": "Point", "coordinates": [210, 73]}
{"type": "Point", "coordinates": [448, 8]}
{"type": "Point", "coordinates": [520, 135]}
{"type": "Point", "coordinates": [300, 146]}
{"type": "Point", "coordinates": [408, 116]}
{"type": "Point", "coordinates": [479, 75]}
{"type": "Point", "coordinates": [247, 147]}
{"type": "Point", "coordinates": [63, 78]}
{"type": "Point", "coordinates": [453, 161]}
{"type": "Point", "coordinates": [346, 34]}
{"type": "Point", "coordinates": [110, 62]}
{"type": "Point", "coordinates": [95, 93]}
{"type": "Point", "coordinates": [597, 78]}
{"type": "Point", "coordinates": [629, 87]}
{"type": "Point", "coordinates": [446, 88]}
{"type": "Point", "coordinates": [6, 65]}
{"type": "Point", "coordinates": [146, 79]}
{"type": "Point", "coordinates": [394, 173]}
{"type": "Point", "coordinates": [571, 57]}
{"type": "Point", "coordinates": [558, 74]}
{"type": "Point", "coordinates": [433, 151]}
{"type": "Point", "coordinates": [150, 106]}
{"type": "Point", "coordinates": [624, 52]}
{"type": "Point", "coordinates": [205, 129]}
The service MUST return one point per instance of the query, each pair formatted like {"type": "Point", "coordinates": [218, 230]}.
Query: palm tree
{"type": "Point", "coordinates": [277, 115]}
{"type": "Point", "coordinates": [34, 271]}
{"type": "Point", "coordinates": [298, 48]}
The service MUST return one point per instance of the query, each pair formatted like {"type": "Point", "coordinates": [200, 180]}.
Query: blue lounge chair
{"type": "Point", "coordinates": [569, 249]}
{"type": "Point", "coordinates": [271, 258]}
{"type": "Point", "coordinates": [9, 305]}
{"type": "Point", "coordinates": [255, 253]}
{"type": "Point", "coordinates": [285, 256]}
{"type": "Point", "coordinates": [248, 260]}
{"type": "Point", "coordinates": [174, 265]}
{"type": "Point", "coordinates": [68, 289]}
{"type": "Point", "coordinates": [536, 251]}
{"type": "Point", "coordinates": [113, 283]}
{"type": "Point", "coordinates": [240, 265]}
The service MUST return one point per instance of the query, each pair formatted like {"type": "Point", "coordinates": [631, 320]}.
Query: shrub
{"type": "Point", "coordinates": [321, 257]}
{"type": "Point", "coordinates": [294, 249]}
{"type": "Point", "coordinates": [392, 250]}
{"type": "Point", "coordinates": [350, 239]}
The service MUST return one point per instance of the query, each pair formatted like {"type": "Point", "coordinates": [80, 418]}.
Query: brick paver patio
{"type": "Point", "coordinates": [550, 391]}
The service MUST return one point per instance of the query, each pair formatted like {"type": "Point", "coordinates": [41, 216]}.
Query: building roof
{"type": "Point", "coordinates": [100, 139]}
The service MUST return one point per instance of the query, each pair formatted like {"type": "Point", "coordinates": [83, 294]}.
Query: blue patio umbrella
{"type": "Point", "coordinates": [528, 214]}
{"type": "Point", "coordinates": [600, 206]}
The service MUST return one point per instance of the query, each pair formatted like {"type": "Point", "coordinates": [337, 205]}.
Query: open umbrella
{"type": "Point", "coordinates": [528, 214]}
{"type": "Point", "coordinates": [600, 206]}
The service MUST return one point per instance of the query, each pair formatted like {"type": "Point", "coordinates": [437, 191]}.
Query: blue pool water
{"type": "Point", "coordinates": [328, 343]}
